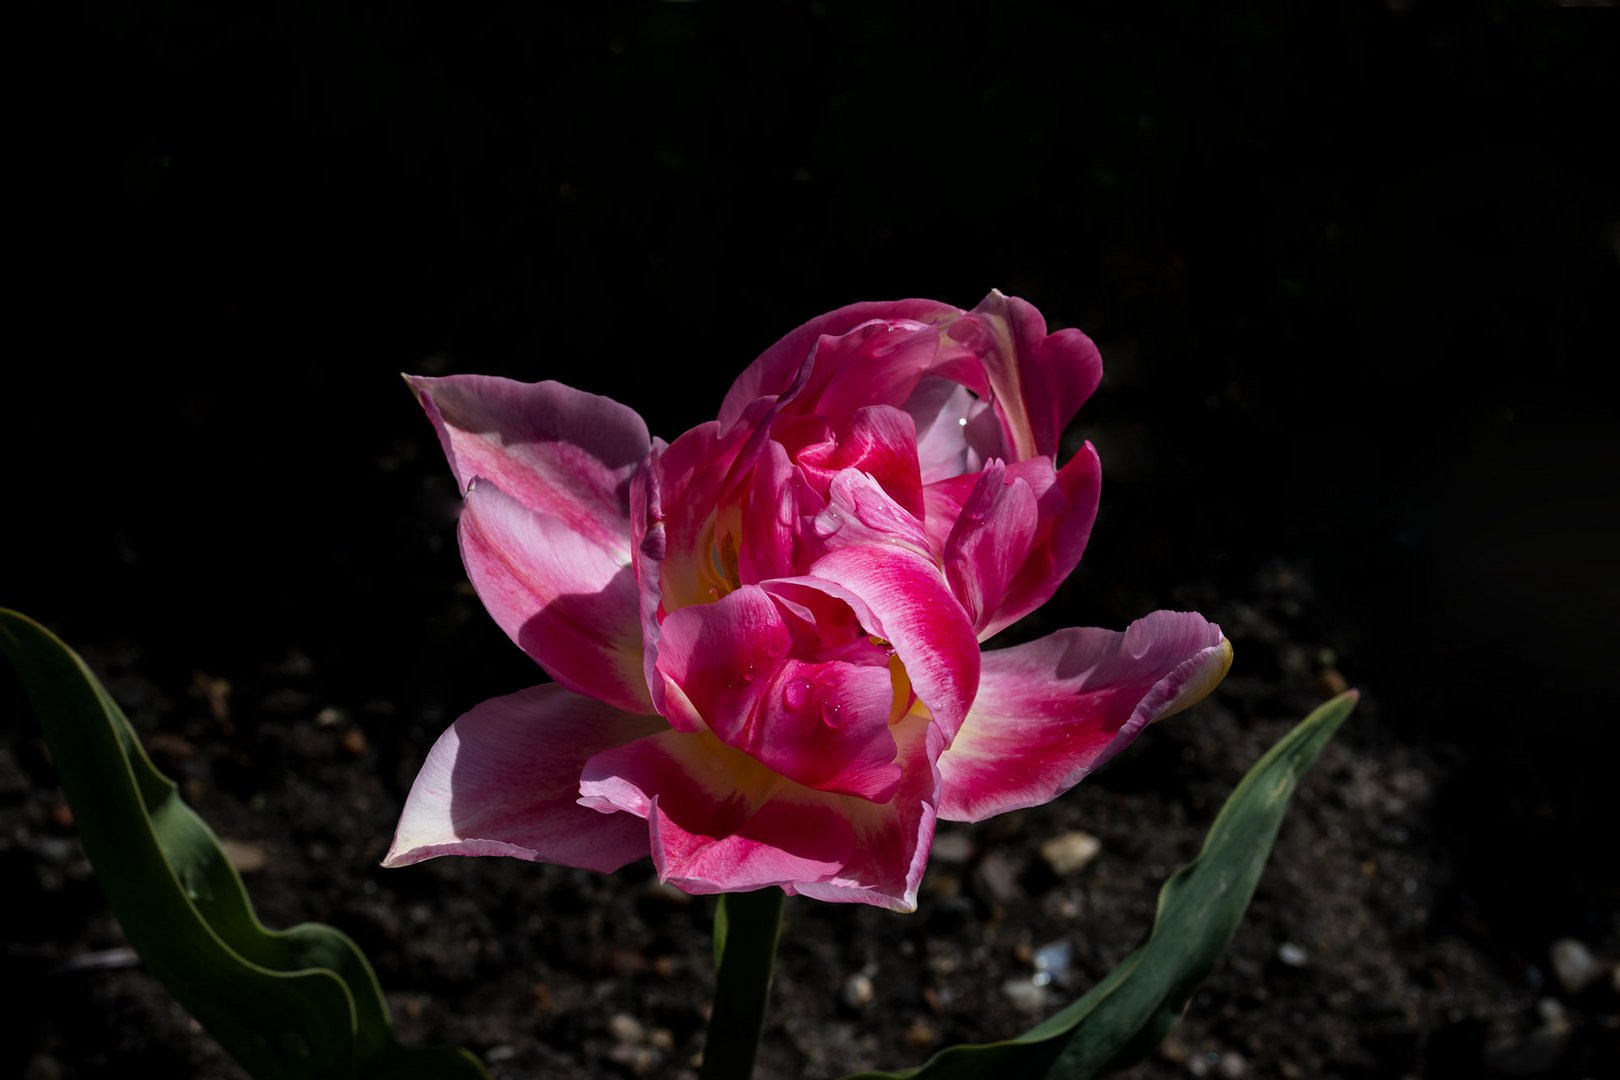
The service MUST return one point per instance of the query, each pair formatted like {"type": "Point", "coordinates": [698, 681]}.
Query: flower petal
{"type": "Point", "coordinates": [946, 416]}
{"type": "Point", "coordinates": [991, 541]}
{"type": "Point", "coordinates": [776, 369]}
{"type": "Point", "coordinates": [820, 722]}
{"type": "Point", "coordinates": [825, 724]}
{"type": "Point", "coordinates": [1037, 381]}
{"type": "Point", "coordinates": [716, 660]}
{"type": "Point", "coordinates": [1050, 711]}
{"type": "Point", "coordinates": [722, 822]}
{"type": "Point", "coordinates": [892, 840]}
{"type": "Point", "coordinates": [504, 780]}
{"type": "Point", "coordinates": [777, 497]}
{"type": "Point", "coordinates": [880, 441]}
{"type": "Point", "coordinates": [566, 600]}
{"type": "Point", "coordinates": [556, 450]}
{"type": "Point", "coordinates": [719, 820]}
{"type": "Point", "coordinates": [1067, 505]}
{"type": "Point", "coordinates": [878, 562]}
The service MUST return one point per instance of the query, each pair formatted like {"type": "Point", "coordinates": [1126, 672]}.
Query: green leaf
{"type": "Point", "coordinates": [1126, 1015]}
{"type": "Point", "coordinates": [294, 1003]}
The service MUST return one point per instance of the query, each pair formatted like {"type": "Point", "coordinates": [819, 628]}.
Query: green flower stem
{"type": "Point", "coordinates": [746, 926]}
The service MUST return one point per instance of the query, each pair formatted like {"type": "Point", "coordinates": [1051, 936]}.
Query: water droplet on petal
{"type": "Point", "coordinates": [796, 693]}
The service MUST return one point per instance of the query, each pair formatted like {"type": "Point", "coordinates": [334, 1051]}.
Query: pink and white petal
{"type": "Point", "coordinates": [880, 441]}
{"type": "Point", "coordinates": [556, 450]}
{"type": "Point", "coordinates": [718, 820]}
{"type": "Point", "coordinates": [716, 660]}
{"type": "Point", "coordinates": [649, 544]}
{"type": "Point", "coordinates": [504, 780]}
{"type": "Point", "coordinates": [825, 724]}
{"type": "Point", "coordinates": [860, 512]}
{"type": "Point", "coordinates": [1068, 510]}
{"type": "Point", "coordinates": [1050, 711]}
{"type": "Point", "coordinates": [876, 364]}
{"type": "Point", "coordinates": [991, 542]}
{"type": "Point", "coordinates": [1038, 380]}
{"type": "Point", "coordinates": [903, 597]}
{"type": "Point", "coordinates": [776, 499]}
{"type": "Point", "coordinates": [942, 502]}
{"type": "Point", "coordinates": [892, 840]}
{"type": "Point", "coordinates": [774, 372]}
{"type": "Point", "coordinates": [566, 600]}
{"type": "Point", "coordinates": [943, 412]}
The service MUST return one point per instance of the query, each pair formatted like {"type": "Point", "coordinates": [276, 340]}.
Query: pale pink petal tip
{"type": "Point", "coordinates": [1050, 711]}
{"type": "Point", "coordinates": [504, 780]}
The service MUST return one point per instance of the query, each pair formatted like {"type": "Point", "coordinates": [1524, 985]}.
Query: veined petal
{"type": "Point", "coordinates": [860, 512]}
{"type": "Point", "coordinates": [718, 820]}
{"type": "Point", "coordinates": [945, 414]}
{"type": "Point", "coordinates": [556, 450]}
{"type": "Point", "coordinates": [504, 780]}
{"type": "Point", "coordinates": [777, 497]}
{"type": "Point", "coordinates": [1038, 381]}
{"type": "Point", "coordinates": [825, 724]}
{"type": "Point", "coordinates": [566, 600]}
{"type": "Point", "coordinates": [716, 660]}
{"type": "Point", "coordinates": [892, 840]}
{"type": "Point", "coordinates": [1067, 505]}
{"type": "Point", "coordinates": [991, 541]}
{"type": "Point", "coordinates": [774, 372]}
{"type": "Point", "coordinates": [722, 822]}
{"type": "Point", "coordinates": [900, 595]}
{"type": "Point", "coordinates": [880, 441]}
{"type": "Point", "coordinates": [1050, 711]}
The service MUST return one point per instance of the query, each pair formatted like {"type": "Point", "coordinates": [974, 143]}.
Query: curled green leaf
{"type": "Point", "coordinates": [302, 1002]}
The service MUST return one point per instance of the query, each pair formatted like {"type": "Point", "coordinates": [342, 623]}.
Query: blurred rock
{"type": "Point", "coordinates": [996, 883]}
{"type": "Point", "coordinates": [1574, 965]}
{"type": "Point", "coordinates": [1024, 994]}
{"type": "Point", "coordinates": [858, 990]}
{"type": "Point", "coordinates": [952, 848]}
{"type": "Point", "coordinates": [1070, 852]}
{"type": "Point", "coordinates": [1292, 954]}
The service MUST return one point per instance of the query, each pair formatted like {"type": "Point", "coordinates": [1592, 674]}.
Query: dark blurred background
{"type": "Point", "coordinates": [1354, 268]}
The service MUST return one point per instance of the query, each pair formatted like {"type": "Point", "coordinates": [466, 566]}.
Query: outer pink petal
{"type": "Point", "coordinates": [1038, 381]}
{"type": "Point", "coordinates": [1068, 510]}
{"type": "Point", "coordinates": [556, 450]}
{"type": "Point", "coordinates": [892, 840]}
{"type": "Point", "coordinates": [719, 821]}
{"type": "Point", "coordinates": [775, 370]}
{"type": "Point", "coordinates": [1051, 711]}
{"type": "Point", "coordinates": [566, 600]}
{"type": "Point", "coordinates": [991, 541]}
{"type": "Point", "coordinates": [504, 780]}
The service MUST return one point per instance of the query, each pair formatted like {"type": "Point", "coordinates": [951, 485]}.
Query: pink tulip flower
{"type": "Point", "coordinates": [765, 636]}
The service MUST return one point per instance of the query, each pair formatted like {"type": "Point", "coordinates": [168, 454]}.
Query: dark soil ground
{"type": "Point", "coordinates": [1353, 269]}
{"type": "Point", "coordinates": [1361, 955]}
